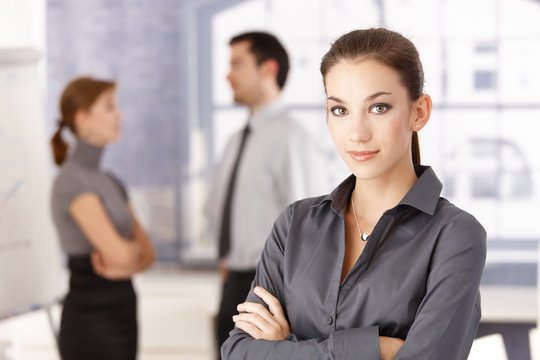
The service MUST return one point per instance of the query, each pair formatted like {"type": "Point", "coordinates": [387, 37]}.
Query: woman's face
{"type": "Point", "coordinates": [371, 118]}
{"type": "Point", "coordinates": [101, 123]}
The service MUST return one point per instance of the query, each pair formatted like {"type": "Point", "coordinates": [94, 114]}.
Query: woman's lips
{"type": "Point", "coordinates": [362, 155]}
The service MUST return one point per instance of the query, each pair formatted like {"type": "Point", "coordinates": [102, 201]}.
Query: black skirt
{"type": "Point", "coordinates": [99, 316]}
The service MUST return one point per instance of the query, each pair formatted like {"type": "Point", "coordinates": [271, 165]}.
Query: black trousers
{"type": "Point", "coordinates": [99, 317]}
{"type": "Point", "coordinates": [234, 292]}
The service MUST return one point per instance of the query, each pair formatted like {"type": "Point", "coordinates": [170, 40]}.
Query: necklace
{"type": "Point", "coordinates": [364, 236]}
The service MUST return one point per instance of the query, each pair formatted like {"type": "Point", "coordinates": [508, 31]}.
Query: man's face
{"type": "Point", "coordinates": [245, 75]}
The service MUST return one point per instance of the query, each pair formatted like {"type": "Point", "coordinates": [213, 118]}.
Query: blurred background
{"type": "Point", "coordinates": [170, 59]}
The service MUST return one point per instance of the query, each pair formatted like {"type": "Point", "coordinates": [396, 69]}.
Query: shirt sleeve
{"type": "Point", "coordinates": [357, 344]}
{"type": "Point", "coordinates": [447, 319]}
{"type": "Point", "coordinates": [68, 186]}
{"type": "Point", "coordinates": [120, 185]}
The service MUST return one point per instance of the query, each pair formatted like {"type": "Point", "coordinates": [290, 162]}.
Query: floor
{"type": "Point", "coordinates": [176, 311]}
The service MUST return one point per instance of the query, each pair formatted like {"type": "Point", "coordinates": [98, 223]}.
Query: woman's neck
{"type": "Point", "coordinates": [87, 154]}
{"type": "Point", "coordinates": [375, 196]}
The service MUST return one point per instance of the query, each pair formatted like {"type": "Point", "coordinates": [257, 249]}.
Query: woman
{"type": "Point", "coordinates": [382, 267]}
{"type": "Point", "coordinates": [98, 230]}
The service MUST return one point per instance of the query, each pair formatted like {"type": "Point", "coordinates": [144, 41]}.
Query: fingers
{"type": "Point", "coordinates": [260, 322]}
{"type": "Point", "coordinates": [107, 272]}
{"type": "Point", "coordinates": [263, 324]}
{"type": "Point", "coordinates": [256, 314]}
{"type": "Point", "coordinates": [272, 302]}
{"type": "Point", "coordinates": [254, 308]}
{"type": "Point", "coordinates": [259, 328]}
{"type": "Point", "coordinates": [97, 263]}
{"type": "Point", "coordinates": [273, 315]}
{"type": "Point", "coordinates": [249, 328]}
{"type": "Point", "coordinates": [223, 270]}
{"type": "Point", "coordinates": [389, 347]}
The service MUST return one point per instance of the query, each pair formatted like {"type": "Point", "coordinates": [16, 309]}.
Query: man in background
{"type": "Point", "coordinates": [267, 165]}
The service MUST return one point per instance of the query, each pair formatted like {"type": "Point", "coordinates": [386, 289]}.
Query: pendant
{"type": "Point", "coordinates": [365, 236]}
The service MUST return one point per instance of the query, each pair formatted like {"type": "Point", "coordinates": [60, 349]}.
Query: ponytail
{"type": "Point", "coordinates": [415, 147]}
{"type": "Point", "coordinates": [59, 146]}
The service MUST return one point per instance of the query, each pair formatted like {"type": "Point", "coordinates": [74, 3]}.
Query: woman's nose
{"type": "Point", "coordinates": [359, 130]}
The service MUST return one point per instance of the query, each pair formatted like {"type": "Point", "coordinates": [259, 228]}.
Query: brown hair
{"type": "Point", "coordinates": [389, 48]}
{"type": "Point", "coordinates": [80, 94]}
{"type": "Point", "coordinates": [266, 46]}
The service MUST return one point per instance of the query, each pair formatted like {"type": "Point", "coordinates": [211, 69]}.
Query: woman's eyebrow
{"type": "Point", "coordinates": [369, 98]}
{"type": "Point", "coordinates": [377, 94]}
{"type": "Point", "coordinates": [336, 99]}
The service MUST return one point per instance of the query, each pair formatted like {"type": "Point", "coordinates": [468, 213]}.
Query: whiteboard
{"type": "Point", "coordinates": [31, 270]}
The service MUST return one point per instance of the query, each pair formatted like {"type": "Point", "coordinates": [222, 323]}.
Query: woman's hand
{"type": "Point", "coordinates": [261, 323]}
{"type": "Point", "coordinates": [389, 347]}
{"type": "Point", "coordinates": [107, 271]}
{"type": "Point", "coordinates": [223, 270]}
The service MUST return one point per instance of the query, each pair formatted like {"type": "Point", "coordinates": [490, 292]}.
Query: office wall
{"type": "Point", "coordinates": [138, 46]}
{"type": "Point", "coordinates": [22, 23]}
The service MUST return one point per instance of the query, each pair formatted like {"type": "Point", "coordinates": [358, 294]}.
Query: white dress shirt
{"type": "Point", "coordinates": [281, 163]}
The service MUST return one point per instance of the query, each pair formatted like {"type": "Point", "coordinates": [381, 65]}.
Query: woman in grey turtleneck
{"type": "Point", "coordinates": [97, 228]}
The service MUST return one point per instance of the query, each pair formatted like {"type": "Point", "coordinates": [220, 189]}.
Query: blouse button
{"type": "Point", "coordinates": [329, 320]}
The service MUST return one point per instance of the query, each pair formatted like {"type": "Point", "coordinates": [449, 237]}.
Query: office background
{"type": "Point", "coordinates": [170, 58]}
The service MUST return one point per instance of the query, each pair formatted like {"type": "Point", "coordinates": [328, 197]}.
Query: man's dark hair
{"type": "Point", "coordinates": [266, 46]}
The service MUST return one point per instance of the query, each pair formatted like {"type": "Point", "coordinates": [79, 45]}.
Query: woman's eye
{"type": "Point", "coordinates": [338, 111]}
{"type": "Point", "coordinates": [379, 108]}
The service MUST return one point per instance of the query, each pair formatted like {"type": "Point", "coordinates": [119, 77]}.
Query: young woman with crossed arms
{"type": "Point", "coordinates": [98, 229]}
{"type": "Point", "coordinates": [383, 267]}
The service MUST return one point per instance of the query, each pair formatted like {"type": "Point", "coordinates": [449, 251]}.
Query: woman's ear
{"type": "Point", "coordinates": [421, 111]}
{"type": "Point", "coordinates": [81, 121]}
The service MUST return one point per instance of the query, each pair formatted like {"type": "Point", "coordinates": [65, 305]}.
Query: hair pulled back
{"type": "Point", "coordinates": [79, 94]}
{"type": "Point", "coordinates": [389, 48]}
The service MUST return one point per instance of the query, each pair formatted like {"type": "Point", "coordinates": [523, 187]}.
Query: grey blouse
{"type": "Point", "coordinates": [81, 174]}
{"type": "Point", "coordinates": [417, 279]}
